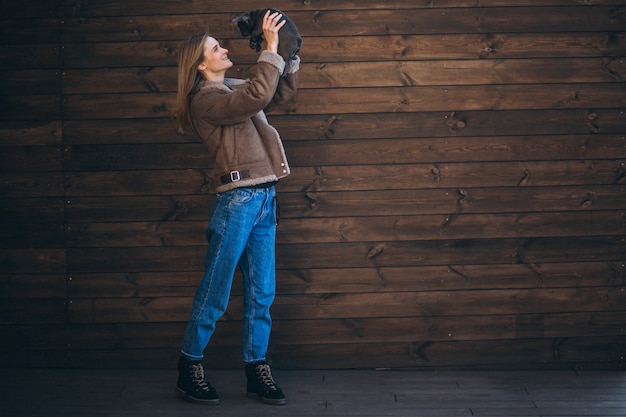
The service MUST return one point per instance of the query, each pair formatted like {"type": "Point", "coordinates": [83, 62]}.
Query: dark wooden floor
{"type": "Point", "coordinates": [137, 393]}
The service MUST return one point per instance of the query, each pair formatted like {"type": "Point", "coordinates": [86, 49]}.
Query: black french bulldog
{"type": "Point", "coordinates": [251, 24]}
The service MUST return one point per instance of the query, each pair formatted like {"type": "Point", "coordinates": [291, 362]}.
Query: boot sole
{"type": "Point", "coordinates": [195, 400]}
{"type": "Point", "coordinates": [271, 401]}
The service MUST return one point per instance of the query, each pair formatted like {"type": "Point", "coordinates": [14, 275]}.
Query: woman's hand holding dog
{"type": "Point", "coordinates": [271, 26]}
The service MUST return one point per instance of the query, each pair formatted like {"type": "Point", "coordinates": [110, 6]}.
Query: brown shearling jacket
{"type": "Point", "coordinates": [229, 119]}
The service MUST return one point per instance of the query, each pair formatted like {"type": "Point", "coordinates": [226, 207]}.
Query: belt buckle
{"type": "Point", "coordinates": [235, 176]}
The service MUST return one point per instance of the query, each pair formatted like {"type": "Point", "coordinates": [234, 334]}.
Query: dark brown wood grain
{"type": "Point", "coordinates": [357, 100]}
{"type": "Point", "coordinates": [113, 8]}
{"type": "Point", "coordinates": [456, 198]}
{"type": "Point", "coordinates": [359, 21]}
{"type": "Point", "coordinates": [462, 161]}
{"type": "Point", "coordinates": [356, 229]}
{"type": "Point", "coordinates": [115, 56]}
{"type": "Point", "coordinates": [419, 309]}
{"type": "Point", "coordinates": [346, 280]}
{"type": "Point", "coordinates": [358, 74]}
{"type": "Point", "coordinates": [363, 254]}
{"type": "Point", "coordinates": [521, 126]}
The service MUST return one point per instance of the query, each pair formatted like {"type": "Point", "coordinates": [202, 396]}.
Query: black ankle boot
{"type": "Point", "coordinates": [192, 385]}
{"type": "Point", "coordinates": [261, 385]}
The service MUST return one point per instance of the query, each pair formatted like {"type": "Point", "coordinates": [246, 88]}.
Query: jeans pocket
{"type": "Point", "coordinates": [241, 195]}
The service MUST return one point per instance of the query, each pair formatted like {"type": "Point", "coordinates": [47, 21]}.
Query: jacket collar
{"type": "Point", "coordinates": [228, 85]}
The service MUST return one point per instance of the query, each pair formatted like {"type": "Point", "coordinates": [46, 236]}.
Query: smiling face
{"type": "Point", "coordinates": [216, 62]}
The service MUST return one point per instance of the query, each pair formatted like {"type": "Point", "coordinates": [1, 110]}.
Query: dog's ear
{"type": "Point", "coordinates": [243, 22]}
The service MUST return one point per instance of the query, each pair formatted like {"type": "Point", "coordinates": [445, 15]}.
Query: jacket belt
{"type": "Point", "coordinates": [234, 176]}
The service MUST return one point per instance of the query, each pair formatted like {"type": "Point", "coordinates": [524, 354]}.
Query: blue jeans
{"type": "Point", "coordinates": [241, 231]}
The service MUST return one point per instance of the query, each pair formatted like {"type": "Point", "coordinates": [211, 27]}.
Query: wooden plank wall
{"type": "Point", "coordinates": [457, 196]}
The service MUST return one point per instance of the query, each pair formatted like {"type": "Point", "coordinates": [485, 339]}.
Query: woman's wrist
{"type": "Point", "coordinates": [272, 58]}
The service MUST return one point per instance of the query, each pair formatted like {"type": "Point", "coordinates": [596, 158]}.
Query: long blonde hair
{"type": "Point", "coordinates": [190, 54]}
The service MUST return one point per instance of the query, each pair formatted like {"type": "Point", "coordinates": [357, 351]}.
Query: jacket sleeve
{"type": "Point", "coordinates": [218, 106]}
{"type": "Point", "coordinates": [287, 85]}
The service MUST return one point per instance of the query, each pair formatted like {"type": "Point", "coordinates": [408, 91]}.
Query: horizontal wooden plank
{"type": "Point", "coordinates": [364, 22]}
{"type": "Point", "coordinates": [363, 74]}
{"type": "Point", "coordinates": [482, 307]}
{"type": "Point", "coordinates": [167, 309]}
{"type": "Point", "coordinates": [585, 353]}
{"type": "Point", "coordinates": [32, 159]}
{"type": "Point", "coordinates": [124, 131]}
{"type": "Point", "coordinates": [452, 99]}
{"type": "Point", "coordinates": [163, 208]}
{"type": "Point", "coordinates": [451, 46]}
{"type": "Point", "coordinates": [120, 54]}
{"type": "Point", "coordinates": [458, 20]}
{"type": "Point", "coordinates": [33, 311]}
{"type": "Point", "coordinates": [329, 157]}
{"type": "Point", "coordinates": [344, 229]}
{"type": "Point", "coordinates": [446, 124]}
{"type": "Point", "coordinates": [462, 72]}
{"type": "Point", "coordinates": [357, 280]}
{"type": "Point", "coordinates": [535, 353]}
{"type": "Point", "coordinates": [35, 56]}
{"type": "Point", "coordinates": [31, 184]}
{"type": "Point", "coordinates": [33, 260]}
{"type": "Point", "coordinates": [138, 284]}
{"type": "Point", "coordinates": [362, 165]}
{"type": "Point", "coordinates": [49, 336]}
{"type": "Point", "coordinates": [346, 178]}
{"type": "Point", "coordinates": [128, 80]}
{"type": "Point", "coordinates": [181, 182]}
{"type": "Point", "coordinates": [449, 201]}
{"type": "Point", "coordinates": [30, 133]}
{"type": "Point", "coordinates": [453, 277]}
{"type": "Point", "coordinates": [443, 175]}
{"type": "Point", "coordinates": [87, 206]}
{"type": "Point", "coordinates": [452, 175]}
{"type": "Point", "coordinates": [366, 100]}
{"type": "Point", "coordinates": [453, 252]}
{"type": "Point", "coordinates": [135, 157]}
{"type": "Point", "coordinates": [313, 332]}
{"type": "Point", "coordinates": [33, 107]}
{"type": "Point", "coordinates": [37, 81]}
{"type": "Point", "coordinates": [158, 54]}
{"type": "Point", "coordinates": [29, 31]}
{"type": "Point", "coordinates": [24, 210]}
{"type": "Point", "coordinates": [136, 234]}
{"type": "Point", "coordinates": [438, 304]}
{"type": "Point", "coordinates": [38, 285]}
{"type": "Point", "coordinates": [31, 9]}
{"type": "Point", "coordinates": [372, 229]}
{"type": "Point", "coordinates": [154, 55]}
{"type": "Point", "coordinates": [450, 328]}
{"type": "Point", "coordinates": [366, 74]}
{"type": "Point", "coordinates": [112, 106]}
{"type": "Point", "coordinates": [364, 254]}
{"type": "Point", "coordinates": [438, 151]}
{"type": "Point", "coordinates": [143, 7]}
{"type": "Point", "coordinates": [32, 235]}
{"type": "Point", "coordinates": [459, 125]}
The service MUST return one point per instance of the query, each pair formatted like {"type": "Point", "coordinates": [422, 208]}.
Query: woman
{"type": "Point", "coordinates": [249, 159]}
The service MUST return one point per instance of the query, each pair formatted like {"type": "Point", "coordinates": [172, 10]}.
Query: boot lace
{"type": "Point", "coordinates": [264, 375]}
{"type": "Point", "coordinates": [197, 377]}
